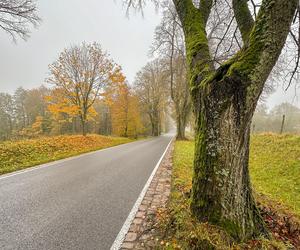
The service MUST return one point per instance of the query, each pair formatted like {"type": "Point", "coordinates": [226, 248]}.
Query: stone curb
{"type": "Point", "coordinates": [140, 233]}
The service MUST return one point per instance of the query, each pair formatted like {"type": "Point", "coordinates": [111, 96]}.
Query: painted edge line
{"type": "Point", "coordinates": [49, 164]}
{"type": "Point", "coordinates": [124, 230]}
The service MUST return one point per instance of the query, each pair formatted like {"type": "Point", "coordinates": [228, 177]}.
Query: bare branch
{"type": "Point", "coordinates": [16, 16]}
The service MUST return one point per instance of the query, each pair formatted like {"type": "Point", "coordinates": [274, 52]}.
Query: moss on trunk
{"type": "Point", "coordinates": [221, 191]}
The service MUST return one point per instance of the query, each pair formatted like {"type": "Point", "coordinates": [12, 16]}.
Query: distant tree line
{"type": "Point", "coordinates": [282, 118]}
{"type": "Point", "coordinates": [88, 93]}
{"type": "Point", "coordinates": [43, 112]}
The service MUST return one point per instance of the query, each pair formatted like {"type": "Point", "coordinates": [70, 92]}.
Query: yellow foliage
{"type": "Point", "coordinates": [37, 125]}
{"type": "Point", "coordinates": [16, 155]}
{"type": "Point", "coordinates": [63, 110]}
{"type": "Point", "coordinates": [124, 107]}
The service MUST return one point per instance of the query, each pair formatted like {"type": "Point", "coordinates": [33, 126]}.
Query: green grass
{"type": "Point", "coordinates": [274, 167]}
{"type": "Point", "coordinates": [17, 155]}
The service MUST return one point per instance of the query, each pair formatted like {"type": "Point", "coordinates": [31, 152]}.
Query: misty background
{"type": "Point", "coordinates": [68, 22]}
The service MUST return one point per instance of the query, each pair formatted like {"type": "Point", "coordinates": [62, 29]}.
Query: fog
{"type": "Point", "coordinates": [67, 22]}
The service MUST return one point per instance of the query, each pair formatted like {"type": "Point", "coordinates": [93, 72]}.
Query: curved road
{"type": "Point", "coordinates": [78, 203]}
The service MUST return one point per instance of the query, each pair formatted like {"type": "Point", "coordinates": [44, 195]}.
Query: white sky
{"type": "Point", "coordinates": [67, 22]}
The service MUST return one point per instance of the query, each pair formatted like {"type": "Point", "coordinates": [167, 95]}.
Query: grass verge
{"type": "Point", "coordinates": [275, 168]}
{"type": "Point", "coordinates": [274, 163]}
{"type": "Point", "coordinates": [17, 155]}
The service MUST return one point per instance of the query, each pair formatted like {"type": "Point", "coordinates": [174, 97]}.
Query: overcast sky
{"type": "Point", "coordinates": [67, 22]}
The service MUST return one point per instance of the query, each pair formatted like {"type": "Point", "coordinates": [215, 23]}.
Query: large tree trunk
{"type": "Point", "coordinates": [180, 130]}
{"type": "Point", "coordinates": [74, 125]}
{"type": "Point", "coordinates": [222, 192]}
{"type": "Point", "coordinates": [83, 124]}
{"type": "Point", "coordinates": [181, 125]}
{"type": "Point", "coordinates": [155, 129]}
{"type": "Point", "coordinates": [154, 119]}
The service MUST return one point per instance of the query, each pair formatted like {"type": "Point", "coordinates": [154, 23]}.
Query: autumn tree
{"type": "Point", "coordinates": [125, 113]}
{"type": "Point", "coordinates": [224, 100]}
{"type": "Point", "coordinates": [38, 127]}
{"type": "Point", "coordinates": [63, 112]}
{"type": "Point", "coordinates": [81, 72]}
{"type": "Point", "coordinates": [151, 87]}
{"type": "Point", "coordinates": [16, 16]}
{"type": "Point", "coordinates": [123, 107]}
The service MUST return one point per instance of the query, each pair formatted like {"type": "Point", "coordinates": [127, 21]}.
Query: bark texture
{"type": "Point", "coordinates": [155, 123]}
{"type": "Point", "coordinates": [181, 125]}
{"type": "Point", "coordinates": [224, 102]}
{"type": "Point", "coordinates": [180, 96]}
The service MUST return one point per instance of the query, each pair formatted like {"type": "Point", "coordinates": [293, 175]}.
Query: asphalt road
{"type": "Point", "coordinates": [79, 203]}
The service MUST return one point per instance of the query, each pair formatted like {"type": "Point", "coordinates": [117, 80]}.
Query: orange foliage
{"type": "Point", "coordinates": [63, 110]}
{"type": "Point", "coordinates": [37, 126]}
{"type": "Point", "coordinates": [118, 97]}
{"type": "Point", "coordinates": [125, 113]}
{"type": "Point", "coordinates": [58, 104]}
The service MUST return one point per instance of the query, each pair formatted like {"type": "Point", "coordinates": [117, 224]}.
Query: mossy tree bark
{"type": "Point", "coordinates": [182, 104]}
{"type": "Point", "coordinates": [224, 101]}
{"type": "Point", "coordinates": [182, 113]}
{"type": "Point", "coordinates": [155, 123]}
{"type": "Point", "coordinates": [155, 129]}
{"type": "Point", "coordinates": [181, 125]}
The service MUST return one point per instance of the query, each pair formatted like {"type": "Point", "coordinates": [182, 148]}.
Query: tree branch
{"type": "Point", "coordinates": [258, 56]}
{"type": "Point", "coordinates": [243, 17]}
{"type": "Point", "coordinates": [194, 27]}
{"type": "Point", "coordinates": [205, 8]}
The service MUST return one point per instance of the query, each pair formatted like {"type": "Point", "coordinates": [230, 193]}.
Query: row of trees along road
{"type": "Point", "coordinates": [231, 49]}
{"type": "Point", "coordinates": [89, 93]}
{"type": "Point", "coordinates": [151, 87]}
{"type": "Point", "coordinates": [169, 46]}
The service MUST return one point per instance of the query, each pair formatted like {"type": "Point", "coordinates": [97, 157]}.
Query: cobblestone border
{"type": "Point", "coordinates": [140, 233]}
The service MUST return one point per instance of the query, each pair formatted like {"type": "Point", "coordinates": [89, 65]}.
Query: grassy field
{"type": "Point", "coordinates": [18, 155]}
{"type": "Point", "coordinates": [274, 167]}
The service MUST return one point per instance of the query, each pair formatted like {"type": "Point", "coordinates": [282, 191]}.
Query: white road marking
{"type": "Point", "coordinates": [121, 235]}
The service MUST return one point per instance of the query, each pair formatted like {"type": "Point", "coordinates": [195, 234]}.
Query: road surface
{"type": "Point", "coordinates": [79, 203]}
